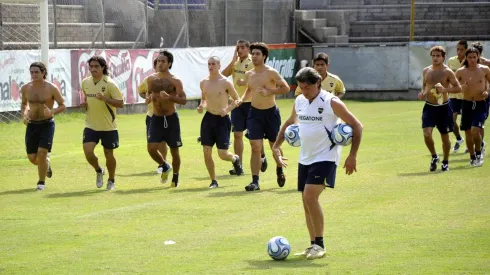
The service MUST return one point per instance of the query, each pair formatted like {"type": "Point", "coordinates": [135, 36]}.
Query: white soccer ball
{"type": "Point", "coordinates": [291, 135]}
{"type": "Point", "coordinates": [342, 134]}
{"type": "Point", "coordinates": [278, 248]}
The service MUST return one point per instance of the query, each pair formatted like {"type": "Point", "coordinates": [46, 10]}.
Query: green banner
{"type": "Point", "coordinates": [283, 59]}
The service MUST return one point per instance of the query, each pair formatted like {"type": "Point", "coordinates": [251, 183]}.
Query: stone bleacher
{"type": "Point", "coordinates": [364, 21]}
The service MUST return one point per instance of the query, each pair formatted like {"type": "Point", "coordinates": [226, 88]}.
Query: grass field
{"type": "Point", "coordinates": [392, 217]}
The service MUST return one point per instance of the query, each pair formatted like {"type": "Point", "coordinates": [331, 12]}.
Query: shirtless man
{"type": "Point", "coordinates": [436, 112]}
{"type": "Point", "coordinates": [474, 77]}
{"type": "Point", "coordinates": [264, 119]}
{"type": "Point", "coordinates": [38, 97]}
{"type": "Point", "coordinates": [486, 62]}
{"type": "Point", "coordinates": [165, 90]}
{"type": "Point", "coordinates": [216, 123]}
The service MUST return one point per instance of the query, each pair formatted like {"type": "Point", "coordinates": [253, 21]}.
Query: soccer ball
{"type": "Point", "coordinates": [342, 134]}
{"type": "Point", "coordinates": [291, 135]}
{"type": "Point", "coordinates": [278, 248]}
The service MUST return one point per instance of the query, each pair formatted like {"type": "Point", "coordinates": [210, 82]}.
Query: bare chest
{"type": "Point", "coordinates": [434, 77]}
{"type": "Point", "coordinates": [39, 95]}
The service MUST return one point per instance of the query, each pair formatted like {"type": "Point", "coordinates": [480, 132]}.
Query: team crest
{"type": "Point", "coordinates": [320, 110]}
{"type": "Point", "coordinates": [246, 66]}
{"type": "Point", "coordinates": [103, 89]}
{"type": "Point", "coordinates": [331, 85]}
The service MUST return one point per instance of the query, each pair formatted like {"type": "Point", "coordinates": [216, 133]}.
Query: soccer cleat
{"type": "Point", "coordinates": [304, 253]}
{"type": "Point", "coordinates": [479, 161]}
{"type": "Point", "coordinates": [263, 167]}
{"type": "Point", "coordinates": [110, 185]}
{"type": "Point", "coordinates": [433, 164]}
{"type": "Point", "coordinates": [457, 145]}
{"type": "Point", "coordinates": [316, 252]}
{"type": "Point", "coordinates": [237, 167]}
{"type": "Point", "coordinates": [281, 179]}
{"type": "Point", "coordinates": [214, 184]}
{"type": "Point", "coordinates": [175, 181]}
{"type": "Point", "coordinates": [472, 162]}
{"type": "Point", "coordinates": [49, 172]}
{"type": "Point", "coordinates": [40, 187]}
{"type": "Point", "coordinates": [159, 170]}
{"type": "Point", "coordinates": [445, 167]}
{"type": "Point", "coordinates": [100, 179]}
{"type": "Point", "coordinates": [252, 187]}
{"type": "Point", "coordinates": [164, 175]}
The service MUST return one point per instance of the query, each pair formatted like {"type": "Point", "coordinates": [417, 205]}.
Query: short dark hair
{"type": "Point", "coordinates": [169, 55]}
{"type": "Point", "coordinates": [321, 57]}
{"type": "Point", "coordinates": [471, 50]}
{"type": "Point", "coordinates": [101, 62]}
{"type": "Point", "coordinates": [309, 76]}
{"type": "Point", "coordinates": [478, 46]}
{"type": "Point", "coordinates": [438, 49]}
{"type": "Point", "coordinates": [242, 41]}
{"type": "Point", "coordinates": [41, 67]}
{"type": "Point", "coordinates": [154, 63]}
{"type": "Point", "coordinates": [262, 47]}
{"type": "Point", "coordinates": [463, 43]}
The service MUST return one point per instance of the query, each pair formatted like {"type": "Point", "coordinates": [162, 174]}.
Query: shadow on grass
{"type": "Point", "coordinates": [218, 178]}
{"type": "Point", "coordinates": [74, 194]}
{"type": "Point", "coordinates": [143, 174]}
{"type": "Point", "coordinates": [292, 262]}
{"type": "Point", "coordinates": [199, 189]}
{"type": "Point", "coordinates": [140, 190]}
{"type": "Point", "coordinates": [240, 193]}
{"type": "Point", "coordinates": [18, 192]}
{"type": "Point", "coordinates": [438, 171]}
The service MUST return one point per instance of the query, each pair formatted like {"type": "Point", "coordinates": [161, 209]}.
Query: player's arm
{"type": "Point", "coordinates": [143, 90]}
{"type": "Point", "coordinates": [24, 107]}
{"type": "Point", "coordinates": [344, 114]}
{"type": "Point", "coordinates": [234, 95]}
{"type": "Point", "coordinates": [422, 93]}
{"type": "Point", "coordinates": [455, 87]}
{"type": "Point", "coordinates": [115, 98]}
{"type": "Point", "coordinates": [203, 104]}
{"type": "Point", "coordinates": [229, 69]}
{"type": "Point", "coordinates": [59, 99]}
{"type": "Point", "coordinates": [276, 148]}
{"type": "Point", "coordinates": [339, 88]}
{"type": "Point", "coordinates": [180, 97]}
{"type": "Point", "coordinates": [282, 86]}
{"type": "Point", "coordinates": [487, 77]}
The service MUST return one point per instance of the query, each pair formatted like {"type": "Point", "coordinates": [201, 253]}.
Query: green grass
{"type": "Point", "coordinates": [392, 217]}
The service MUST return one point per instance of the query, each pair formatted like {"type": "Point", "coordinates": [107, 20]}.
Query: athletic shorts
{"type": "Point", "coordinates": [165, 128]}
{"type": "Point", "coordinates": [263, 124]}
{"type": "Point", "coordinates": [473, 115]}
{"type": "Point", "coordinates": [110, 139]}
{"type": "Point", "coordinates": [39, 134]}
{"type": "Point", "coordinates": [239, 117]}
{"type": "Point", "coordinates": [323, 172]}
{"type": "Point", "coordinates": [216, 129]}
{"type": "Point", "coordinates": [440, 116]}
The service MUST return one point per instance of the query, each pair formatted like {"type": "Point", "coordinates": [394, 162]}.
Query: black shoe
{"type": "Point", "coordinates": [214, 184]}
{"type": "Point", "coordinates": [445, 167]}
{"type": "Point", "coordinates": [263, 168]}
{"type": "Point", "coordinates": [237, 166]}
{"type": "Point", "coordinates": [281, 179]}
{"type": "Point", "coordinates": [252, 187]}
{"type": "Point", "coordinates": [175, 181]}
{"type": "Point", "coordinates": [433, 164]}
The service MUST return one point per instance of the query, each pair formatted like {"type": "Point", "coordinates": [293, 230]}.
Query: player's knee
{"type": "Point", "coordinates": [108, 153]}
{"type": "Point", "coordinates": [238, 135]}
{"type": "Point", "coordinates": [256, 147]}
{"type": "Point", "coordinates": [32, 158]}
{"type": "Point", "coordinates": [208, 151]}
{"type": "Point", "coordinates": [223, 154]}
{"type": "Point", "coordinates": [427, 133]}
{"type": "Point", "coordinates": [42, 154]}
{"type": "Point", "coordinates": [475, 131]}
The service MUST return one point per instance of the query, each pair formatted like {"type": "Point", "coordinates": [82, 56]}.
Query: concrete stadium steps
{"type": "Point", "coordinates": [30, 13]}
{"type": "Point", "coordinates": [73, 45]}
{"type": "Point", "coordinates": [389, 39]}
{"type": "Point", "coordinates": [422, 28]}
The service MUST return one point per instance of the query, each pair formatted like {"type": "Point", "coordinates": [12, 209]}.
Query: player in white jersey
{"type": "Point", "coordinates": [317, 111]}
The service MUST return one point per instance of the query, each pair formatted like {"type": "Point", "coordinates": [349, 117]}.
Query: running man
{"type": "Point", "coordinates": [264, 119]}
{"type": "Point", "coordinates": [456, 99]}
{"type": "Point", "coordinates": [143, 92]}
{"type": "Point", "coordinates": [165, 90]}
{"type": "Point", "coordinates": [330, 82]}
{"type": "Point", "coordinates": [216, 124]}
{"type": "Point", "coordinates": [474, 77]}
{"type": "Point", "coordinates": [102, 97]}
{"type": "Point", "coordinates": [238, 67]}
{"type": "Point", "coordinates": [437, 113]}
{"type": "Point", "coordinates": [318, 157]}
{"type": "Point", "coordinates": [38, 97]}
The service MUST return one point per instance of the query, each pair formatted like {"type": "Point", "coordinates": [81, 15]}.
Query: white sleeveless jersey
{"type": "Point", "coordinates": [315, 119]}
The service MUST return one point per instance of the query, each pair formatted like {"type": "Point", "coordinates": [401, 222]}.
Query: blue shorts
{"type": "Point", "coordinates": [239, 117]}
{"type": "Point", "coordinates": [263, 124]}
{"type": "Point", "coordinates": [216, 129]}
{"type": "Point", "coordinates": [148, 123]}
{"type": "Point", "coordinates": [323, 172]}
{"type": "Point", "coordinates": [488, 107]}
{"type": "Point", "coordinates": [110, 139]}
{"type": "Point", "coordinates": [39, 134]}
{"type": "Point", "coordinates": [456, 105]}
{"type": "Point", "coordinates": [473, 115]}
{"type": "Point", "coordinates": [440, 116]}
{"type": "Point", "coordinates": [165, 128]}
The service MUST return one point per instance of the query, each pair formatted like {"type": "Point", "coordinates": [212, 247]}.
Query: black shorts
{"type": "Point", "coordinates": [39, 134]}
{"type": "Point", "coordinates": [239, 117]}
{"type": "Point", "coordinates": [456, 105]}
{"type": "Point", "coordinates": [148, 123]}
{"type": "Point", "coordinates": [440, 116]}
{"type": "Point", "coordinates": [110, 139]}
{"type": "Point", "coordinates": [216, 129]}
{"type": "Point", "coordinates": [323, 172]}
{"type": "Point", "coordinates": [263, 123]}
{"type": "Point", "coordinates": [165, 128]}
{"type": "Point", "coordinates": [474, 114]}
